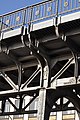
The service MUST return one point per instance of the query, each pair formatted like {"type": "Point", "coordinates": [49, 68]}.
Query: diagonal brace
{"type": "Point", "coordinates": [12, 104]}
{"type": "Point", "coordinates": [11, 83]}
{"type": "Point", "coordinates": [63, 69]}
{"type": "Point", "coordinates": [31, 78]}
{"type": "Point", "coordinates": [29, 102]}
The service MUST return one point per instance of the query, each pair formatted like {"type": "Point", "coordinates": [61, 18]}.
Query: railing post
{"type": "Point", "coordinates": [1, 19]}
{"type": "Point", "coordinates": [24, 16]}
{"type": "Point", "coordinates": [56, 19]}
{"type": "Point", "coordinates": [0, 23]}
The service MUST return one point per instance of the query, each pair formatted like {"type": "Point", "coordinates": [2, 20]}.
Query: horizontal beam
{"type": "Point", "coordinates": [14, 67]}
{"type": "Point", "coordinates": [18, 112]}
{"type": "Point", "coordinates": [13, 93]}
{"type": "Point", "coordinates": [63, 109]}
{"type": "Point", "coordinates": [62, 57]}
{"type": "Point", "coordinates": [30, 57]}
{"type": "Point", "coordinates": [58, 51]}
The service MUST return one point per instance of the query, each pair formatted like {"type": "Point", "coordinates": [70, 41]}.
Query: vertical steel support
{"type": "Point", "coordinates": [41, 104]}
{"type": "Point", "coordinates": [76, 67]}
{"type": "Point", "coordinates": [56, 19]}
{"type": "Point", "coordinates": [3, 105]}
{"type": "Point", "coordinates": [20, 102]}
{"type": "Point", "coordinates": [1, 23]}
{"type": "Point", "coordinates": [19, 75]}
{"type": "Point", "coordinates": [45, 74]}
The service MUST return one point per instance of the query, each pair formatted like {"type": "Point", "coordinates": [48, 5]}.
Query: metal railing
{"type": "Point", "coordinates": [35, 13]}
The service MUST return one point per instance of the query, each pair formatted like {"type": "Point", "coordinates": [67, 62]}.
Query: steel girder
{"type": "Point", "coordinates": [47, 95]}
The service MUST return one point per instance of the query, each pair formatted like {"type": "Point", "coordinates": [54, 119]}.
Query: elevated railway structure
{"type": "Point", "coordinates": [40, 57]}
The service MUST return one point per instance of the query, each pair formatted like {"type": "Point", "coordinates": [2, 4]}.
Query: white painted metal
{"type": "Point", "coordinates": [76, 116]}
{"type": "Point", "coordinates": [59, 115]}
{"type": "Point", "coordinates": [41, 104]}
{"type": "Point", "coordinates": [26, 116]}
{"type": "Point", "coordinates": [70, 17]}
{"type": "Point", "coordinates": [64, 82]}
{"type": "Point", "coordinates": [43, 24]}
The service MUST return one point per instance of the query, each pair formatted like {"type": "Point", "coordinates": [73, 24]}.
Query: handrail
{"type": "Point", "coordinates": [40, 11]}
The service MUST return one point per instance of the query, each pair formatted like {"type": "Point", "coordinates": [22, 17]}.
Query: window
{"type": "Point", "coordinates": [7, 107]}
{"type": "Point", "coordinates": [69, 115]}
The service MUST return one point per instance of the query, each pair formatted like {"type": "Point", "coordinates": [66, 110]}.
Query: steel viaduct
{"type": "Point", "coordinates": [39, 46]}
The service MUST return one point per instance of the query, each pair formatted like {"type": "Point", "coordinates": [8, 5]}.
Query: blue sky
{"type": "Point", "coordinates": [10, 5]}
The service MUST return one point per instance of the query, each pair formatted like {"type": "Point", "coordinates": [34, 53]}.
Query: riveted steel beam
{"type": "Point", "coordinates": [41, 105]}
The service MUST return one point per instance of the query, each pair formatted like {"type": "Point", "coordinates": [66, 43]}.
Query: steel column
{"type": "Point", "coordinates": [41, 105]}
{"type": "Point", "coordinates": [3, 105]}
{"type": "Point", "coordinates": [19, 75]}
{"type": "Point", "coordinates": [76, 67]}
